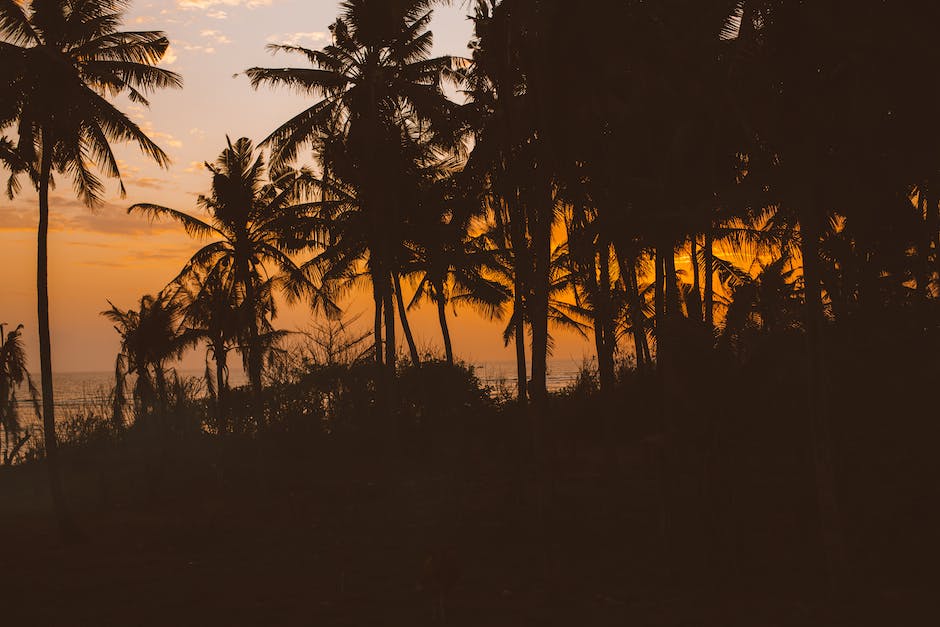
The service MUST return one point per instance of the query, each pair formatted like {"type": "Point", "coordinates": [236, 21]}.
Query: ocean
{"type": "Point", "coordinates": [81, 389]}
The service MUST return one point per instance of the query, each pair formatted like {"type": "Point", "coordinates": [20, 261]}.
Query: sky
{"type": "Point", "coordinates": [105, 254]}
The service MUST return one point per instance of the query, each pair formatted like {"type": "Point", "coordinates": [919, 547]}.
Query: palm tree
{"type": "Point", "coordinates": [59, 60]}
{"type": "Point", "coordinates": [256, 225]}
{"type": "Point", "coordinates": [13, 374]}
{"type": "Point", "coordinates": [151, 336]}
{"type": "Point", "coordinates": [374, 83]}
{"type": "Point", "coordinates": [451, 267]}
{"type": "Point", "coordinates": [209, 310]}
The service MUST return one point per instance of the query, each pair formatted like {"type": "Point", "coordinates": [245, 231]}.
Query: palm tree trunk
{"type": "Point", "coordinates": [254, 345]}
{"type": "Point", "coordinates": [631, 283]}
{"type": "Point", "coordinates": [406, 327]}
{"type": "Point", "coordinates": [673, 306]}
{"type": "Point", "coordinates": [538, 313]}
{"type": "Point", "coordinates": [818, 402]}
{"type": "Point", "coordinates": [442, 318]}
{"type": "Point", "coordinates": [660, 301]}
{"type": "Point", "coordinates": [604, 319]}
{"type": "Point", "coordinates": [522, 370]}
{"type": "Point", "coordinates": [221, 395]}
{"type": "Point", "coordinates": [377, 329]}
{"type": "Point", "coordinates": [709, 282]}
{"type": "Point", "coordinates": [696, 300]}
{"type": "Point", "coordinates": [66, 526]}
{"type": "Point", "coordinates": [391, 348]}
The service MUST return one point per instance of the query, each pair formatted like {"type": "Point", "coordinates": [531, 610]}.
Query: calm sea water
{"type": "Point", "coordinates": [80, 389]}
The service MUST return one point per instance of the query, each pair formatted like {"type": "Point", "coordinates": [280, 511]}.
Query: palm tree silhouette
{"type": "Point", "coordinates": [256, 225]}
{"type": "Point", "coordinates": [60, 59]}
{"type": "Point", "coordinates": [151, 336]}
{"type": "Point", "coordinates": [13, 374]}
{"type": "Point", "coordinates": [209, 311]}
{"type": "Point", "coordinates": [377, 83]}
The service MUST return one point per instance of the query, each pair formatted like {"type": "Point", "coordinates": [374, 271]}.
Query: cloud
{"type": "Point", "coordinates": [216, 36]}
{"type": "Point", "coordinates": [68, 214]}
{"type": "Point", "coordinates": [211, 4]}
{"type": "Point", "coordinates": [169, 57]}
{"type": "Point", "coordinates": [295, 39]}
{"type": "Point", "coordinates": [147, 182]}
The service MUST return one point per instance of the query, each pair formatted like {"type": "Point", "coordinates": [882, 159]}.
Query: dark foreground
{"type": "Point", "coordinates": [242, 533]}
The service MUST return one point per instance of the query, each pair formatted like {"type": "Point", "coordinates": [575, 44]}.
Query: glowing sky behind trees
{"type": "Point", "coordinates": [106, 254]}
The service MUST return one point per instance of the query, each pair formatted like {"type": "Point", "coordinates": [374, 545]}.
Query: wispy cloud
{"type": "Point", "coordinates": [71, 216]}
{"type": "Point", "coordinates": [211, 4]}
{"type": "Point", "coordinates": [295, 39]}
{"type": "Point", "coordinates": [216, 36]}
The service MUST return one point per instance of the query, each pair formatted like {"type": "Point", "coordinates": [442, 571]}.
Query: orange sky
{"type": "Point", "coordinates": [106, 254]}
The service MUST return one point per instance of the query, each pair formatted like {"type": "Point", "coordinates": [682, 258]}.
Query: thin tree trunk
{"type": "Point", "coordinates": [538, 312]}
{"type": "Point", "coordinates": [521, 273]}
{"type": "Point", "coordinates": [673, 307]}
{"type": "Point", "coordinates": [406, 327]}
{"type": "Point", "coordinates": [254, 343]}
{"type": "Point", "coordinates": [709, 282]}
{"type": "Point", "coordinates": [442, 318]}
{"type": "Point", "coordinates": [220, 395]}
{"type": "Point", "coordinates": [818, 402]}
{"type": "Point", "coordinates": [659, 295]}
{"type": "Point", "coordinates": [603, 318]}
{"type": "Point", "coordinates": [522, 370]}
{"type": "Point", "coordinates": [696, 300]}
{"type": "Point", "coordinates": [377, 329]}
{"type": "Point", "coordinates": [66, 525]}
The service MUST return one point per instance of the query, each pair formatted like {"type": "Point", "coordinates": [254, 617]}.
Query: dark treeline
{"type": "Point", "coordinates": [736, 202]}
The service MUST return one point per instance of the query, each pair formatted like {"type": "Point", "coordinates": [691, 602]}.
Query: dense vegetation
{"type": "Point", "coordinates": [736, 200]}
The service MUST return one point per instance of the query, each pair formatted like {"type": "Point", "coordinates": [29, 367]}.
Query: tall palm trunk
{"type": "Point", "coordinates": [638, 328]}
{"type": "Point", "coordinates": [538, 312]}
{"type": "Point", "coordinates": [709, 281]}
{"type": "Point", "coordinates": [695, 303]}
{"type": "Point", "coordinates": [254, 344]}
{"type": "Point", "coordinates": [673, 306]}
{"type": "Point", "coordinates": [50, 441]}
{"type": "Point", "coordinates": [520, 260]}
{"type": "Point", "coordinates": [818, 402]}
{"type": "Point", "coordinates": [522, 369]}
{"type": "Point", "coordinates": [377, 328]}
{"type": "Point", "coordinates": [391, 356]}
{"type": "Point", "coordinates": [405, 325]}
{"type": "Point", "coordinates": [659, 296]}
{"type": "Point", "coordinates": [442, 318]}
{"type": "Point", "coordinates": [221, 394]}
{"type": "Point", "coordinates": [603, 320]}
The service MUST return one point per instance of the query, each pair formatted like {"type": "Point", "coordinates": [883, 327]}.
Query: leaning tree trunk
{"type": "Point", "coordinates": [405, 325]}
{"type": "Point", "coordinates": [66, 526]}
{"type": "Point", "coordinates": [442, 318]}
